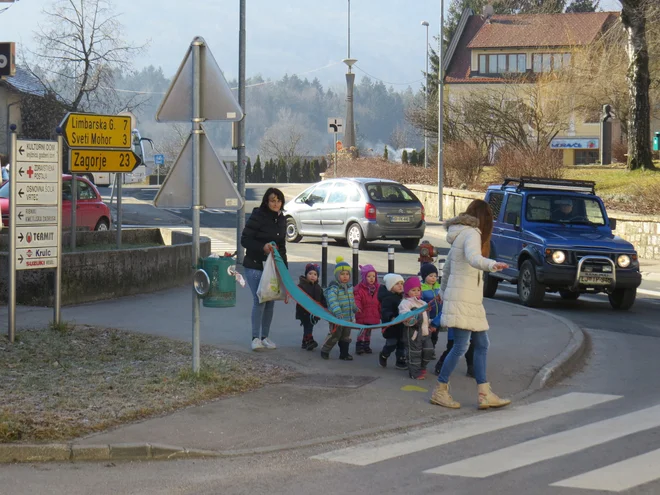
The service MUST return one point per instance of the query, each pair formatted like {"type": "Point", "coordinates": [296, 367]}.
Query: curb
{"type": "Point", "coordinates": [562, 364]}
{"type": "Point", "coordinates": [63, 452]}
{"type": "Point", "coordinates": [651, 276]}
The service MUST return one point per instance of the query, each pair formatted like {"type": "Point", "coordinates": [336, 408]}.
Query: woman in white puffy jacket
{"type": "Point", "coordinates": [462, 294]}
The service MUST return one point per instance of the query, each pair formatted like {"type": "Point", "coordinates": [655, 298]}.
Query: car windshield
{"type": "Point", "coordinates": [564, 209]}
{"type": "Point", "coordinates": [4, 191]}
{"type": "Point", "coordinates": [390, 192]}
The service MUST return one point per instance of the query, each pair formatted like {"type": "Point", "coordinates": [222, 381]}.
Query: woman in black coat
{"type": "Point", "coordinates": [266, 224]}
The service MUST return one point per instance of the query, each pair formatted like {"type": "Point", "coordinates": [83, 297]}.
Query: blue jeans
{"type": "Point", "coordinates": [461, 344]}
{"type": "Point", "coordinates": [262, 313]}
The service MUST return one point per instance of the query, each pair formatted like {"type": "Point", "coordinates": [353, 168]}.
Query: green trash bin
{"type": "Point", "coordinates": [222, 289]}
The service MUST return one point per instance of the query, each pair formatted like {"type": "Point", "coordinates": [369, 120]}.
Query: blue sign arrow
{"type": "Point", "coordinates": [159, 159]}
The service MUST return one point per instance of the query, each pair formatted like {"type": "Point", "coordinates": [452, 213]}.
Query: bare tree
{"type": "Point", "coordinates": [287, 138]}
{"type": "Point", "coordinates": [400, 137]}
{"type": "Point", "coordinates": [79, 51]}
{"type": "Point", "coordinates": [634, 19]}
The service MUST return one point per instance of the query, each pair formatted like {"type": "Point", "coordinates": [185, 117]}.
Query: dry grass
{"type": "Point", "coordinates": [67, 381]}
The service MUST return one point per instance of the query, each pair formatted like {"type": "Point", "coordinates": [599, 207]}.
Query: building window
{"type": "Point", "coordinates": [547, 62]}
{"type": "Point", "coordinates": [502, 63]}
{"type": "Point", "coordinates": [586, 157]}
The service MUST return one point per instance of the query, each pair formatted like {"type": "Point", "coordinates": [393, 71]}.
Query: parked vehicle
{"type": "Point", "coordinates": [91, 211]}
{"type": "Point", "coordinates": [357, 209]}
{"type": "Point", "coordinates": [556, 237]}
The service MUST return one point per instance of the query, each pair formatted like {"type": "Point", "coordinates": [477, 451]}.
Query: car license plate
{"type": "Point", "coordinates": [596, 279]}
{"type": "Point", "coordinates": [399, 219]}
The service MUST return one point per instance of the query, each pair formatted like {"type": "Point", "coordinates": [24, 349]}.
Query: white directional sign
{"type": "Point", "coordinates": [39, 236]}
{"type": "Point", "coordinates": [38, 172]}
{"type": "Point", "coordinates": [31, 258]}
{"type": "Point", "coordinates": [35, 215]}
{"type": "Point", "coordinates": [36, 194]}
{"type": "Point", "coordinates": [36, 151]}
{"type": "Point", "coordinates": [335, 126]}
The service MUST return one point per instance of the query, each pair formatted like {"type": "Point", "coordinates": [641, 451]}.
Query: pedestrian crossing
{"type": "Point", "coordinates": [617, 477]}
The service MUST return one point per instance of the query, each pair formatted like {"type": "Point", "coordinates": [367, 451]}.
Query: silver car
{"type": "Point", "coordinates": [357, 209]}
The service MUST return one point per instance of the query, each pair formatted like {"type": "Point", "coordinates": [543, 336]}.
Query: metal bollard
{"type": "Point", "coordinates": [324, 261]}
{"type": "Point", "coordinates": [356, 260]}
{"type": "Point", "coordinates": [390, 259]}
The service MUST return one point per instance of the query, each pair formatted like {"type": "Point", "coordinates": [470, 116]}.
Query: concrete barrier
{"type": "Point", "coordinates": [94, 275]}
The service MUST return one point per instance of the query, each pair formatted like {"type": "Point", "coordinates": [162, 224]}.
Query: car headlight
{"type": "Point", "coordinates": [623, 261]}
{"type": "Point", "coordinates": [558, 257]}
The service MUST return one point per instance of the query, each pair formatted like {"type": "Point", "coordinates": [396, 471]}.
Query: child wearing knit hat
{"type": "Point", "coordinates": [430, 290]}
{"type": "Point", "coordinates": [310, 284]}
{"type": "Point", "coordinates": [390, 295]}
{"type": "Point", "coordinates": [417, 333]}
{"type": "Point", "coordinates": [341, 303]}
{"type": "Point", "coordinates": [366, 298]}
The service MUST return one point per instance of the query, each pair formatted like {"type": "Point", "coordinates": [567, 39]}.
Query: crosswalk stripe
{"type": "Point", "coordinates": [620, 476]}
{"type": "Point", "coordinates": [551, 446]}
{"type": "Point", "coordinates": [427, 438]}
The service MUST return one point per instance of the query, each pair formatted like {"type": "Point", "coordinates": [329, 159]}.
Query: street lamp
{"type": "Point", "coordinates": [349, 129]}
{"type": "Point", "coordinates": [426, 97]}
{"type": "Point", "coordinates": [440, 114]}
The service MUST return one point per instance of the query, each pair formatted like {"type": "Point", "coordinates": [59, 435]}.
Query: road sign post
{"type": "Point", "coordinates": [336, 126]}
{"type": "Point", "coordinates": [35, 215]}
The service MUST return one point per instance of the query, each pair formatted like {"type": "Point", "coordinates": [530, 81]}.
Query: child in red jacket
{"type": "Point", "coordinates": [366, 298]}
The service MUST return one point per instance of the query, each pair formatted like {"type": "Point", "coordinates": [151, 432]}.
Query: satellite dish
{"type": "Point", "coordinates": [488, 11]}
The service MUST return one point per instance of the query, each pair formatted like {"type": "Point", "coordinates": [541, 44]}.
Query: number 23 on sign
{"type": "Point", "coordinates": [102, 161]}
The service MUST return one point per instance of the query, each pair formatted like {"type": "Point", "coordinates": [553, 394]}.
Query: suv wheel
{"type": "Point", "coordinates": [490, 285]}
{"type": "Point", "coordinates": [530, 292]}
{"type": "Point", "coordinates": [623, 298]}
{"type": "Point", "coordinates": [569, 295]}
{"type": "Point", "coordinates": [354, 233]}
{"type": "Point", "coordinates": [292, 234]}
{"type": "Point", "coordinates": [409, 244]}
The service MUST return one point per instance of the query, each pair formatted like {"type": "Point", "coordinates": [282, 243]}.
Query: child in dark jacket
{"type": "Point", "coordinates": [366, 298]}
{"type": "Point", "coordinates": [390, 295]}
{"type": "Point", "coordinates": [418, 335]}
{"type": "Point", "coordinates": [430, 290]}
{"type": "Point", "coordinates": [310, 284]}
{"type": "Point", "coordinates": [341, 303]}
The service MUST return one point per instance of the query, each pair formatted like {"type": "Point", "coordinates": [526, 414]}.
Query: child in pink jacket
{"type": "Point", "coordinates": [366, 298]}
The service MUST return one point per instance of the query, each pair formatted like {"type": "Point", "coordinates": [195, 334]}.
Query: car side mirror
{"type": "Point", "coordinates": [613, 223]}
{"type": "Point", "coordinates": [512, 218]}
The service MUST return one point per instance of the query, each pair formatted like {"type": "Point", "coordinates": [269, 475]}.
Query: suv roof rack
{"type": "Point", "coordinates": [584, 186]}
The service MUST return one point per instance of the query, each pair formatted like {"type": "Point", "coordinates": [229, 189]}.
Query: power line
{"type": "Point", "coordinates": [387, 82]}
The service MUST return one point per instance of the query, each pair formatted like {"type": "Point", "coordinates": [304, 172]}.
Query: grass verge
{"type": "Point", "coordinates": [67, 380]}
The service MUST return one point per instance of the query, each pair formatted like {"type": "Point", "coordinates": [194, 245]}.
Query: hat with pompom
{"type": "Point", "coordinates": [312, 267]}
{"type": "Point", "coordinates": [341, 266]}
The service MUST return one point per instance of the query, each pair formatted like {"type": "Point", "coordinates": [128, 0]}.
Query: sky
{"type": "Point", "coordinates": [304, 37]}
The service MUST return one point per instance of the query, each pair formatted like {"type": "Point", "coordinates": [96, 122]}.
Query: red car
{"type": "Point", "coordinates": [91, 211]}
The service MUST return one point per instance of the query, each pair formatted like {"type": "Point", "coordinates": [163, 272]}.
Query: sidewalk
{"type": "Point", "coordinates": [331, 400]}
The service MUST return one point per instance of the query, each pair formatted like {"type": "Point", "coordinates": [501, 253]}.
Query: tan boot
{"type": "Point", "coordinates": [488, 399]}
{"type": "Point", "coordinates": [441, 397]}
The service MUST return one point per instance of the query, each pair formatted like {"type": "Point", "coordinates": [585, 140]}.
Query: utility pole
{"type": "Point", "coordinates": [240, 127]}
{"type": "Point", "coordinates": [440, 114]}
{"type": "Point", "coordinates": [349, 133]}
{"type": "Point", "coordinates": [426, 97]}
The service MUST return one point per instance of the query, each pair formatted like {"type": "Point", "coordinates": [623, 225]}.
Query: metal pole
{"type": "Point", "coordinates": [58, 270]}
{"type": "Point", "coordinates": [390, 259]}
{"type": "Point", "coordinates": [74, 207]}
{"type": "Point", "coordinates": [356, 261]}
{"type": "Point", "coordinates": [196, 195]}
{"type": "Point", "coordinates": [349, 29]}
{"type": "Point", "coordinates": [240, 214]}
{"type": "Point", "coordinates": [324, 261]}
{"type": "Point", "coordinates": [335, 155]}
{"type": "Point", "coordinates": [120, 179]}
{"type": "Point", "coordinates": [11, 330]}
{"type": "Point", "coordinates": [426, 101]}
{"type": "Point", "coordinates": [440, 115]}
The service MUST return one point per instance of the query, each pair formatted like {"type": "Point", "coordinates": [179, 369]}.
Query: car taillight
{"type": "Point", "coordinates": [370, 211]}
{"type": "Point", "coordinates": [423, 213]}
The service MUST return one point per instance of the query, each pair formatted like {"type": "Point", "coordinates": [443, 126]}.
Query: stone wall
{"type": "Point", "coordinates": [642, 231]}
{"type": "Point", "coordinates": [94, 275]}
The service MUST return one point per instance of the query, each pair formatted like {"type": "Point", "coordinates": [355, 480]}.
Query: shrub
{"type": "Point", "coordinates": [463, 164]}
{"type": "Point", "coordinates": [381, 169]}
{"type": "Point", "coordinates": [619, 152]}
{"type": "Point", "coordinates": [513, 163]}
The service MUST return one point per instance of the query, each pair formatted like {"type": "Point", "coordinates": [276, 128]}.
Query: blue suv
{"type": "Point", "coordinates": [556, 237]}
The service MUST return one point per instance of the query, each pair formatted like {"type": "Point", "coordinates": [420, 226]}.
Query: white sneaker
{"type": "Point", "coordinates": [257, 345]}
{"type": "Point", "coordinates": [268, 344]}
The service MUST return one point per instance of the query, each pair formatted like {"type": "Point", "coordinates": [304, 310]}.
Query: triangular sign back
{"type": "Point", "coordinates": [217, 100]}
{"type": "Point", "coordinates": [217, 189]}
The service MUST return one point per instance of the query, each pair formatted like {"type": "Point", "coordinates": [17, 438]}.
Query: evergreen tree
{"type": "Point", "coordinates": [257, 172]}
{"type": "Point", "coordinates": [282, 177]}
{"type": "Point", "coordinates": [386, 154]}
{"type": "Point", "coordinates": [422, 155]}
{"type": "Point", "coordinates": [583, 6]}
{"type": "Point", "coordinates": [404, 157]}
{"type": "Point", "coordinates": [308, 172]}
{"type": "Point", "coordinates": [323, 165]}
{"type": "Point", "coordinates": [234, 171]}
{"type": "Point", "coordinates": [269, 172]}
{"type": "Point", "coordinates": [414, 158]}
{"type": "Point", "coordinates": [248, 170]}
{"type": "Point", "coordinates": [316, 170]}
{"type": "Point", "coordinates": [295, 174]}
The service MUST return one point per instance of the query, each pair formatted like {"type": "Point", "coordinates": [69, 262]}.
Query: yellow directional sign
{"type": "Point", "coordinates": [84, 130]}
{"type": "Point", "coordinates": [119, 161]}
